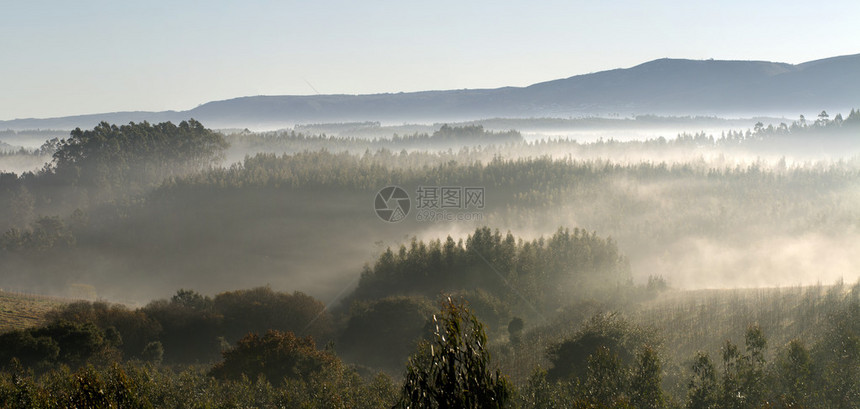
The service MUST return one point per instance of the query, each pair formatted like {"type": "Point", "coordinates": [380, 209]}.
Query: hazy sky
{"type": "Point", "coordinates": [73, 57]}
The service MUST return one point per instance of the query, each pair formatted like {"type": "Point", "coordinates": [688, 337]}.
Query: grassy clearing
{"type": "Point", "coordinates": [24, 310]}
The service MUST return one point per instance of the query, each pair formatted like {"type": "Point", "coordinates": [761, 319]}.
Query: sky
{"type": "Point", "coordinates": [60, 58]}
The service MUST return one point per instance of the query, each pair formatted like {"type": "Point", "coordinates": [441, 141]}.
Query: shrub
{"type": "Point", "coordinates": [276, 355]}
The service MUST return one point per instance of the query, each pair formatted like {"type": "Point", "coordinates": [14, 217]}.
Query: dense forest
{"type": "Point", "coordinates": [570, 286]}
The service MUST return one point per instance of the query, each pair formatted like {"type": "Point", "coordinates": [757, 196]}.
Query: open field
{"type": "Point", "coordinates": [19, 310]}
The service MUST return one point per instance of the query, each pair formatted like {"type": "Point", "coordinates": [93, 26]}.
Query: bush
{"type": "Point", "coordinates": [570, 357]}
{"type": "Point", "coordinates": [135, 328]}
{"type": "Point", "coordinates": [261, 309]}
{"type": "Point", "coordinates": [27, 349]}
{"type": "Point", "coordinates": [153, 352]}
{"type": "Point", "coordinates": [276, 355]}
{"type": "Point", "coordinates": [59, 342]}
{"type": "Point", "coordinates": [189, 327]}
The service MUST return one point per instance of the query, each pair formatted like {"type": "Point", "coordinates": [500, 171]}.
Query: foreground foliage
{"type": "Point", "coordinates": [139, 386]}
{"type": "Point", "coordinates": [453, 369]}
{"type": "Point", "coordinates": [608, 362]}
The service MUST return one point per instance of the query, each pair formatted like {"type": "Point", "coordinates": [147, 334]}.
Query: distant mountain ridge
{"type": "Point", "coordinates": [664, 87]}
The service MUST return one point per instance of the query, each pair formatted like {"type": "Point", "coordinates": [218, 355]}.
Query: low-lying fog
{"type": "Point", "coordinates": [698, 212]}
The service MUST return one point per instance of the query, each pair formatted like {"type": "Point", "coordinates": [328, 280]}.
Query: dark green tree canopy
{"type": "Point", "coordinates": [142, 154]}
{"type": "Point", "coordinates": [276, 355]}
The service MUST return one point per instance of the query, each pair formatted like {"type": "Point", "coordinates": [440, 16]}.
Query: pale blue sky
{"type": "Point", "coordinates": [74, 57]}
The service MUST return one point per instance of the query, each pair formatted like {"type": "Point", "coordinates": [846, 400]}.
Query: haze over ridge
{"type": "Point", "coordinates": [664, 86]}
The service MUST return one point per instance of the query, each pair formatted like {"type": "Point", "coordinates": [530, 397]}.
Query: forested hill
{"type": "Point", "coordinates": [664, 86]}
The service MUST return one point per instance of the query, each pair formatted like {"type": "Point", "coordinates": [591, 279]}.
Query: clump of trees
{"type": "Point", "coordinates": [473, 135]}
{"type": "Point", "coordinates": [135, 155]}
{"type": "Point", "coordinates": [382, 333]}
{"type": "Point", "coordinates": [609, 362]}
{"type": "Point", "coordinates": [106, 164]}
{"type": "Point", "coordinates": [742, 381]}
{"type": "Point", "coordinates": [312, 138]}
{"type": "Point", "coordinates": [603, 332]}
{"type": "Point", "coordinates": [275, 355]}
{"type": "Point", "coordinates": [192, 328]}
{"type": "Point", "coordinates": [60, 342]}
{"type": "Point", "coordinates": [550, 273]}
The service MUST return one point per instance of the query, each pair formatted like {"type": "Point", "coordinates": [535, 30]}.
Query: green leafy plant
{"type": "Point", "coordinates": [452, 370]}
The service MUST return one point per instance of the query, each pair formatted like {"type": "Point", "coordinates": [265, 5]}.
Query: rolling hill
{"type": "Point", "coordinates": [664, 87]}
